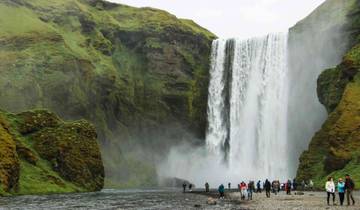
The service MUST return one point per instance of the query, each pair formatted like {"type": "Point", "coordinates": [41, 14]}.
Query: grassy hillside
{"type": "Point", "coordinates": [139, 74]}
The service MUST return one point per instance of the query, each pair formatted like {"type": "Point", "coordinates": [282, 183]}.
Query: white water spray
{"type": "Point", "coordinates": [253, 125]}
{"type": "Point", "coordinates": [247, 116]}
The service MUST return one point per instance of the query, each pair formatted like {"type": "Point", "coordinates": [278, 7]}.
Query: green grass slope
{"type": "Point", "coordinates": [140, 75]}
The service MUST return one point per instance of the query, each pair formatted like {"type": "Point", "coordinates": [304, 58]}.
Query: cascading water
{"type": "Point", "coordinates": [247, 106]}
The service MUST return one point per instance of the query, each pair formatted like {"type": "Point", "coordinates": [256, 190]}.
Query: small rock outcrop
{"type": "Point", "coordinates": [9, 160]}
{"type": "Point", "coordinates": [42, 154]}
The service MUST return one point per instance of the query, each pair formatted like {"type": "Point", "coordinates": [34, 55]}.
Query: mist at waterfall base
{"type": "Point", "coordinates": [247, 113]}
{"type": "Point", "coordinates": [262, 108]}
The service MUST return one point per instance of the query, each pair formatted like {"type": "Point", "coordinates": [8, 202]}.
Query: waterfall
{"type": "Point", "coordinates": [247, 106]}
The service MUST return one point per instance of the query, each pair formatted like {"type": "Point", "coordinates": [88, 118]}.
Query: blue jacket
{"type": "Point", "coordinates": [341, 187]}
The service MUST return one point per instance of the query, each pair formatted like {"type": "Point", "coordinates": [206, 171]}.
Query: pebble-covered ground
{"type": "Point", "coordinates": [308, 201]}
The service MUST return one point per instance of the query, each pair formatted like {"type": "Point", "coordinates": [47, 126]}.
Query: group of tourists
{"type": "Point", "coordinates": [343, 187]}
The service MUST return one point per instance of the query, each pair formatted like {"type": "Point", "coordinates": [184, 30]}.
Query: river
{"type": "Point", "coordinates": [113, 199]}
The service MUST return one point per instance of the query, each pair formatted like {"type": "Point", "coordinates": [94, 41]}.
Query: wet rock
{"type": "Point", "coordinates": [211, 201]}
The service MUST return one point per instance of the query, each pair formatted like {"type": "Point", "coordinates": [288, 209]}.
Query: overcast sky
{"type": "Point", "coordinates": [236, 18]}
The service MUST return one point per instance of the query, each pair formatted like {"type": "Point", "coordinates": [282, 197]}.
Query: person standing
{"type": "Point", "coordinates": [267, 186]}
{"type": "Point", "coordinates": [303, 185]}
{"type": "Point", "coordinates": [295, 185]}
{"type": "Point", "coordinates": [341, 190]}
{"type": "Point", "coordinates": [184, 187]}
{"type": "Point", "coordinates": [221, 191]}
{"type": "Point", "coordinates": [276, 187]}
{"type": "Point", "coordinates": [288, 187]}
{"type": "Point", "coordinates": [258, 187]}
{"type": "Point", "coordinates": [251, 189]}
{"type": "Point", "coordinates": [190, 187]}
{"type": "Point", "coordinates": [349, 188]}
{"type": "Point", "coordinates": [207, 187]}
{"type": "Point", "coordinates": [229, 185]}
{"type": "Point", "coordinates": [311, 185]}
{"type": "Point", "coordinates": [243, 188]}
{"type": "Point", "coordinates": [330, 190]}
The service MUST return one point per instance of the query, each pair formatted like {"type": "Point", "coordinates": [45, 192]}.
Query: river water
{"type": "Point", "coordinates": [114, 199]}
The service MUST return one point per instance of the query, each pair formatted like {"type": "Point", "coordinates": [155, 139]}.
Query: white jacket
{"type": "Point", "coordinates": [330, 186]}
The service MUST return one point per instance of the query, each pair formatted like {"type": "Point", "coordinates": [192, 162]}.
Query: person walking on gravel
{"type": "Point", "coordinates": [267, 187]}
{"type": "Point", "coordinates": [330, 190]}
{"type": "Point", "coordinates": [258, 187]}
{"type": "Point", "coordinates": [207, 187]}
{"type": "Point", "coordinates": [341, 190]}
{"type": "Point", "coordinates": [251, 189]}
{"type": "Point", "coordinates": [349, 188]}
{"type": "Point", "coordinates": [221, 191]}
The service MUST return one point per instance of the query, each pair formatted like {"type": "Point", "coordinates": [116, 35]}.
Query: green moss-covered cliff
{"type": "Point", "coordinates": [335, 148]}
{"type": "Point", "coordinates": [140, 75]}
{"type": "Point", "coordinates": [41, 154]}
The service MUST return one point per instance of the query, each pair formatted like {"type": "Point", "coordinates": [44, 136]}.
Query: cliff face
{"type": "Point", "coordinates": [316, 43]}
{"type": "Point", "coordinates": [41, 154]}
{"type": "Point", "coordinates": [334, 150]}
{"type": "Point", "coordinates": [140, 75]}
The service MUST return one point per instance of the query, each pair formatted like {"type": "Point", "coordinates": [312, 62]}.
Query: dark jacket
{"type": "Point", "coordinates": [267, 185]}
{"type": "Point", "coordinates": [349, 184]}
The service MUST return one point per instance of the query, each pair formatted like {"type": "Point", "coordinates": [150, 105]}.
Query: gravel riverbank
{"type": "Point", "coordinates": [308, 201]}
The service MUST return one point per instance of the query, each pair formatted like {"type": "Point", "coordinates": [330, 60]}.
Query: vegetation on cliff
{"type": "Point", "coordinates": [335, 149]}
{"type": "Point", "coordinates": [140, 75]}
{"type": "Point", "coordinates": [41, 154]}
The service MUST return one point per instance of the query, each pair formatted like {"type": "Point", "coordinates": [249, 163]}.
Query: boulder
{"type": "Point", "coordinates": [211, 201]}
{"type": "Point", "coordinates": [74, 153]}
